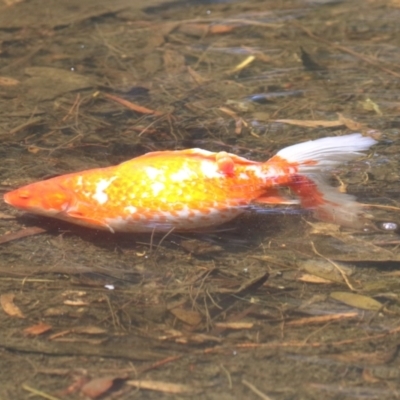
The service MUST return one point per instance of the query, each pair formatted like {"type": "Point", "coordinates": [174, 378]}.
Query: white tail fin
{"type": "Point", "coordinates": [314, 159]}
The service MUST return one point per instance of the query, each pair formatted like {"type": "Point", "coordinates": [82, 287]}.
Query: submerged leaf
{"type": "Point", "coordinates": [98, 387]}
{"type": "Point", "coordinates": [7, 303]}
{"type": "Point", "coordinates": [189, 317]}
{"type": "Point", "coordinates": [357, 300]}
{"type": "Point", "coordinates": [159, 386]}
{"type": "Point", "coordinates": [37, 329]}
{"type": "Point", "coordinates": [325, 269]}
{"type": "Point", "coordinates": [311, 123]}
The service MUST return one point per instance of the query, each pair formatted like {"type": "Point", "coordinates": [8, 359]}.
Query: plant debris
{"type": "Point", "coordinates": [289, 304]}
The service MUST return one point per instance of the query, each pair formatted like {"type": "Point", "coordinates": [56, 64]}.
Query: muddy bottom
{"type": "Point", "coordinates": [274, 305]}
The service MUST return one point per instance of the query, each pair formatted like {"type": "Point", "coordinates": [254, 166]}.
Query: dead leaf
{"type": "Point", "coordinates": [324, 228]}
{"type": "Point", "coordinates": [368, 376]}
{"type": "Point", "coordinates": [89, 330]}
{"type": "Point", "coordinates": [171, 334]}
{"type": "Point", "coordinates": [197, 30]}
{"type": "Point", "coordinates": [308, 278]}
{"type": "Point", "coordinates": [7, 81]}
{"type": "Point", "coordinates": [369, 105]}
{"type": "Point", "coordinates": [180, 337]}
{"type": "Point", "coordinates": [37, 329]}
{"type": "Point", "coordinates": [46, 83]}
{"type": "Point", "coordinates": [75, 386]}
{"type": "Point", "coordinates": [98, 387]}
{"type": "Point", "coordinates": [189, 317]}
{"type": "Point", "coordinates": [325, 270]}
{"type": "Point", "coordinates": [74, 298]}
{"type": "Point", "coordinates": [198, 338]}
{"type": "Point", "coordinates": [374, 358]}
{"type": "Point", "coordinates": [57, 335]}
{"type": "Point", "coordinates": [322, 319]}
{"type": "Point", "coordinates": [76, 303]}
{"type": "Point", "coordinates": [7, 303]}
{"type": "Point", "coordinates": [84, 330]}
{"type": "Point", "coordinates": [357, 300]}
{"type": "Point", "coordinates": [234, 325]}
{"type": "Point", "coordinates": [219, 29]}
{"type": "Point", "coordinates": [159, 386]}
{"type": "Point", "coordinates": [12, 2]}
{"type": "Point", "coordinates": [34, 149]}
{"type": "Point", "coordinates": [311, 123]}
{"type": "Point", "coordinates": [74, 293]}
{"type": "Point", "coordinates": [201, 30]}
{"type": "Point", "coordinates": [199, 247]}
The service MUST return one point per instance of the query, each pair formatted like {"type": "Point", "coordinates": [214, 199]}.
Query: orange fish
{"type": "Point", "coordinates": [190, 189]}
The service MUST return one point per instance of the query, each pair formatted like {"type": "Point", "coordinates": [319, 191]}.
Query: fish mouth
{"type": "Point", "coordinates": [6, 198]}
{"type": "Point", "coordinates": [10, 197]}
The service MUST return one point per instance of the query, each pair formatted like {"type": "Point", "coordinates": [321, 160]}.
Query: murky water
{"type": "Point", "coordinates": [276, 304]}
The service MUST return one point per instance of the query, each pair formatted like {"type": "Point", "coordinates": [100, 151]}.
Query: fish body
{"type": "Point", "coordinates": [187, 190]}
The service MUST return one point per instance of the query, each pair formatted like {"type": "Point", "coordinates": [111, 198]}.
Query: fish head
{"type": "Point", "coordinates": [47, 198]}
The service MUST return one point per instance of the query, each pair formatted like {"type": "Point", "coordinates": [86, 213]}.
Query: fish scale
{"type": "Point", "coordinates": [195, 188]}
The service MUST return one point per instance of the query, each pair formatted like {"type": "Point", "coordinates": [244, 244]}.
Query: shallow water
{"type": "Point", "coordinates": [275, 304]}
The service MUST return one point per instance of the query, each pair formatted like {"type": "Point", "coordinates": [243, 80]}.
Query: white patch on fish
{"type": "Point", "coordinates": [102, 185]}
{"type": "Point", "coordinates": [157, 187]}
{"type": "Point", "coordinates": [181, 175]}
{"type": "Point", "coordinates": [152, 172]}
{"type": "Point", "coordinates": [210, 170]}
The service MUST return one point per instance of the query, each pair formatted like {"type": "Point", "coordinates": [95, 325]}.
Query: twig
{"type": "Point", "coordinates": [72, 109]}
{"type": "Point", "coordinates": [79, 135]}
{"type": "Point", "coordinates": [27, 124]}
{"type": "Point", "coordinates": [35, 230]}
{"type": "Point", "coordinates": [228, 375]}
{"type": "Point", "coordinates": [113, 316]}
{"type": "Point", "coordinates": [344, 276]}
{"type": "Point", "coordinates": [160, 363]}
{"type": "Point", "coordinates": [164, 237]}
{"type": "Point", "coordinates": [39, 393]}
{"type": "Point", "coordinates": [132, 106]}
{"type": "Point", "coordinates": [258, 392]}
{"type": "Point", "coordinates": [144, 130]}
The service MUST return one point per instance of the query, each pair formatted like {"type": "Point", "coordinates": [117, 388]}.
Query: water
{"type": "Point", "coordinates": [121, 306]}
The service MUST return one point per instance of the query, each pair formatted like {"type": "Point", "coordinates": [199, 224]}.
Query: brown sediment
{"type": "Point", "coordinates": [227, 77]}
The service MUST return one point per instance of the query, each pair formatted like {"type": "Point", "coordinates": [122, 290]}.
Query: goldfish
{"type": "Point", "coordinates": [187, 190]}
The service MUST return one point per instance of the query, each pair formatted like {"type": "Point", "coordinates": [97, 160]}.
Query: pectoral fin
{"type": "Point", "coordinates": [83, 220]}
